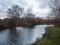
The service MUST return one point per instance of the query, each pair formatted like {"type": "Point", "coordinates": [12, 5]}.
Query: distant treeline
{"type": "Point", "coordinates": [23, 22]}
{"type": "Point", "coordinates": [28, 18]}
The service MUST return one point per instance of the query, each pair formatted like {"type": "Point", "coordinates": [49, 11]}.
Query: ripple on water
{"type": "Point", "coordinates": [22, 36]}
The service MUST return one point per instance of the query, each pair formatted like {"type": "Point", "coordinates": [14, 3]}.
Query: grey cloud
{"type": "Point", "coordinates": [5, 4]}
{"type": "Point", "coordinates": [44, 3]}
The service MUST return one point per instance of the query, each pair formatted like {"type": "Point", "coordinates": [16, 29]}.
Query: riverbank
{"type": "Point", "coordinates": [51, 37]}
{"type": "Point", "coordinates": [22, 22]}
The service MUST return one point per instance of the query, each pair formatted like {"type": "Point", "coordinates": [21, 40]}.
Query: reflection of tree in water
{"type": "Point", "coordinates": [26, 36]}
{"type": "Point", "coordinates": [30, 35]}
{"type": "Point", "coordinates": [20, 37]}
{"type": "Point", "coordinates": [13, 37]}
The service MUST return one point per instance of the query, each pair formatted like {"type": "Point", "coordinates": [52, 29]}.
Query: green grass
{"type": "Point", "coordinates": [54, 38]}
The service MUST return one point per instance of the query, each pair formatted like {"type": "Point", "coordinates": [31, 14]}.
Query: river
{"type": "Point", "coordinates": [21, 35]}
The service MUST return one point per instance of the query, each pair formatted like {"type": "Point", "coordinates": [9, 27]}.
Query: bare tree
{"type": "Point", "coordinates": [54, 3]}
{"type": "Point", "coordinates": [55, 6]}
{"type": "Point", "coordinates": [14, 12]}
{"type": "Point", "coordinates": [30, 15]}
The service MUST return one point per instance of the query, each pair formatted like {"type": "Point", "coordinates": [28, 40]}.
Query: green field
{"type": "Point", "coordinates": [53, 39]}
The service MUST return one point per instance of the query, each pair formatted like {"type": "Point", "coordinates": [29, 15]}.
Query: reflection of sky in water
{"type": "Point", "coordinates": [3, 37]}
{"type": "Point", "coordinates": [21, 36]}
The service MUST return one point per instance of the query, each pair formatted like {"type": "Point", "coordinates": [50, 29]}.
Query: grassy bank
{"type": "Point", "coordinates": [51, 37]}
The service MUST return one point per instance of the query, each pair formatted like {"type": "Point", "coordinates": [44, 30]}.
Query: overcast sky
{"type": "Point", "coordinates": [39, 7]}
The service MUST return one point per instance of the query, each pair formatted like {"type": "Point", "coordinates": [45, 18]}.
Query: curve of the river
{"type": "Point", "coordinates": [21, 36]}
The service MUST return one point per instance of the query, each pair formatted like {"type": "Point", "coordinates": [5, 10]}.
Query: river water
{"type": "Point", "coordinates": [21, 35]}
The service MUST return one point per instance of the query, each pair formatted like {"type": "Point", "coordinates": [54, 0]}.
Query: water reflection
{"type": "Point", "coordinates": [3, 37]}
{"type": "Point", "coordinates": [21, 36]}
{"type": "Point", "coordinates": [12, 37]}
{"type": "Point", "coordinates": [25, 36]}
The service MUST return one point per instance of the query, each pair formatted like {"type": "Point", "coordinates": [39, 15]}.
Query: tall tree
{"type": "Point", "coordinates": [55, 6]}
{"type": "Point", "coordinates": [14, 12]}
{"type": "Point", "coordinates": [30, 15]}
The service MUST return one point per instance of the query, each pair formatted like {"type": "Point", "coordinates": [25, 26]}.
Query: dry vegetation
{"type": "Point", "coordinates": [23, 22]}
